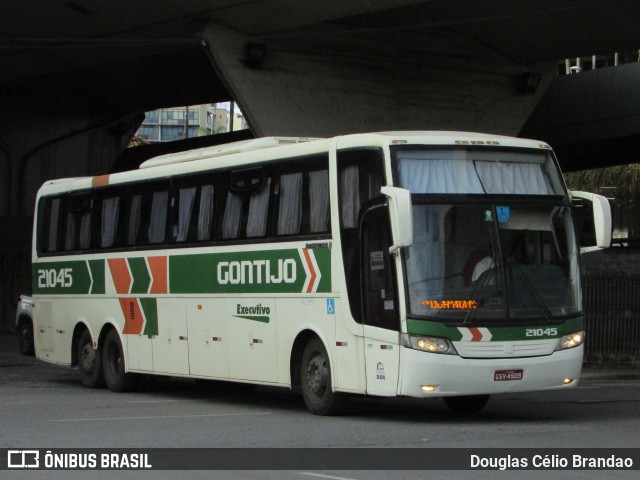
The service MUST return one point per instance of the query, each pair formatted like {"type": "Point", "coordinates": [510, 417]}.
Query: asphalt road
{"type": "Point", "coordinates": [45, 406]}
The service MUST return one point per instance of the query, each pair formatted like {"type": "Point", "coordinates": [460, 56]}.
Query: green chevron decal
{"type": "Point", "coordinates": [140, 274]}
{"type": "Point", "coordinates": [150, 308]}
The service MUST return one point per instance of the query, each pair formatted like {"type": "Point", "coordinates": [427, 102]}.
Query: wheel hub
{"type": "Point", "coordinates": [87, 358]}
{"type": "Point", "coordinates": [316, 375]}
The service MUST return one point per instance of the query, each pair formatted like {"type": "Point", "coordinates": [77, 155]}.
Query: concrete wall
{"type": "Point", "coordinates": [320, 85]}
{"type": "Point", "coordinates": [35, 147]}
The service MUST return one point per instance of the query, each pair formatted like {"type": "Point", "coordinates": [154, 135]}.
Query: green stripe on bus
{"type": "Point", "coordinates": [265, 271]}
{"type": "Point", "coordinates": [498, 334]}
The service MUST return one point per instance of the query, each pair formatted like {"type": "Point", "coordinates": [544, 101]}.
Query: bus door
{"type": "Point", "coordinates": [379, 303]}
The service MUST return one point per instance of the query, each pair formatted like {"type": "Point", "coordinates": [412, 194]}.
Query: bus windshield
{"type": "Point", "coordinates": [492, 262]}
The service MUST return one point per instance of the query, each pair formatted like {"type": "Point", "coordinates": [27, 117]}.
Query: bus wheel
{"type": "Point", "coordinates": [25, 338]}
{"type": "Point", "coordinates": [466, 404]}
{"type": "Point", "coordinates": [113, 364]}
{"type": "Point", "coordinates": [89, 362]}
{"type": "Point", "coordinates": [318, 396]}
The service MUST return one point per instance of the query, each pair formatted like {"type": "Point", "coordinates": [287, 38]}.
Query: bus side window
{"type": "Point", "coordinates": [186, 201]}
{"type": "Point", "coordinates": [290, 206]}
{"type": "Point", "coordinates": [78, 228]}
{"type": "Point", "coordinates": [302, 189]}
{"type": "Point", "coordinates": [50, 237]}
{"type": "Point", "coordinates": [135, 209]}
{"type": "Point", "coordinates": [232, 216]}
{"type": "Point", "coordinates": [319, 201]}
{"type": "Point", "coordinates": [360, 177]}
{"type": "Point", "coordinates": [192, 208]}
{"type": "Point", "coordinates": [158, 216]}
{"type": "Point", "coordinates": [246, 210]}
{"type": "Point", "coordinates": [205, 212]}
{"type": "Point", "coordinates": [259, 210]}
{"type": "Point", "coordinates": [109, 220]}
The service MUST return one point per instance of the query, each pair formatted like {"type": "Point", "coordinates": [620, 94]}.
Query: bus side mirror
{"type": "Point", "coordinates": [593, 220]}
{"type": "Point", "coordinates": [401, 215]}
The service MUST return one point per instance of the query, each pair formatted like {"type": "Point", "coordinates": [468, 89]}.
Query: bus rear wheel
{"type": "Point", "coordinates": [89, 362]}
{"type": "Point", "coordinates": [315, 378]}
{"type": "Point", "coordinates": [466, 404]}
{"type": "Point", "coordinates": [113, 364]}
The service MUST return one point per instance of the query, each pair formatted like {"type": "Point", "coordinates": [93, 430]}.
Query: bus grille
{"type": "Point", "coordinates": [532, 348]}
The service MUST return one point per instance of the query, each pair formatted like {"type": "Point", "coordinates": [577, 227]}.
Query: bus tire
{"type": "Point", "coordinates": [25, 337]}
{"type": "Point", "coordinates": [315, 378]}
{"type": "Point", "coordinates": [466, 404]}
{"type": "Point", "coordinates": [89, 362]}
{"type": "Point", "coordinates": [113, 365]}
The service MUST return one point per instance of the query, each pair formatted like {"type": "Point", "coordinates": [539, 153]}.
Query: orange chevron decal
{"type": "Point", "coordinates": [120, 274]}
{"type": "Point", "coordinates": [158, 267]}
{"type": "Point", "coordinates": [476, 335]}
{"type": "Point", "coordinates": [133, 317]}
{"type": "Point", "coordinates": [314, 275]}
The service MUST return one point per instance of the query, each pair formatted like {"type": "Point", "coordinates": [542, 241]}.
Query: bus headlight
{"type": "Point", "coordinates": [430, 344]}
{"type": "Point", "coordinates": [572, 340]}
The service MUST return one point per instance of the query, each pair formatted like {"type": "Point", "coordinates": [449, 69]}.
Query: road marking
{"type": "Point", "coordinates": [161, 401]}
{"type": "Point", "coordinates": [158, 417]}
{"type": "Point", "coordinates": [608, 385]}
{"type": "Point", "coordinates": [322, 475]}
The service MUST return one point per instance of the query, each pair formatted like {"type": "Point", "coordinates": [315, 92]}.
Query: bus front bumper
{"type": "Point", "coordinates": [436, 375]}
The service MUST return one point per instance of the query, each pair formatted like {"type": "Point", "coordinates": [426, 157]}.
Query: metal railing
{"type": "Point", "coordinates": [612, 313]}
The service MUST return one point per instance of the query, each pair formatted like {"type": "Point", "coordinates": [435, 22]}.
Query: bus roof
{"type": "Point", "coordinates": [428, 137]}
{"type": "Point", "coordinates": [225, 149]}
{"type": "Point", "coordinates": [175, 163]}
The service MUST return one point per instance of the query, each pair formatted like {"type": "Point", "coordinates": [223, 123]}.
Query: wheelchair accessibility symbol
{"type": "Point", "coordinates": [331, 306]}
{"type": "Point", "coordinates": [503, 214]}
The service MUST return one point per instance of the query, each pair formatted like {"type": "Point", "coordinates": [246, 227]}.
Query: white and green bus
{"type": "Point", "coordinates": [420, 264]}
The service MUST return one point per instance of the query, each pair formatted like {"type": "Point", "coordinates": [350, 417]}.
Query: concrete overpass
{"type": "Point", "coordinates": [76, 75]}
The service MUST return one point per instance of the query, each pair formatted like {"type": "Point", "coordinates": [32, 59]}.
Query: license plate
{"type": "Point", "coordinates": [506, 375]}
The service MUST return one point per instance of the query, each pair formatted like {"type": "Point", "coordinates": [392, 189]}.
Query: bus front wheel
{"type": "Point", "coordinates": [113, 364]}
{"type": "Point", "coordinates": [466, 404]}
{"type": "Point", "coordinates": [89, 362]}
{"type": "Point", "coordinates": [315, 378]}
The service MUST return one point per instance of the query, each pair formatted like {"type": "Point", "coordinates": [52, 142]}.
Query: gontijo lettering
{"type": "Point", "coordinates": [256, 271]}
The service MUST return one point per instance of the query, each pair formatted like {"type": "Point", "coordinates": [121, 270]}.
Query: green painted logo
{"type": "Point", "coordinates": [256, 313]}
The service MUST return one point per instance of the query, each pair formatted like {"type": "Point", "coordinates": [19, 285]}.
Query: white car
{"type": "Point", "coordinates": [24, 325]}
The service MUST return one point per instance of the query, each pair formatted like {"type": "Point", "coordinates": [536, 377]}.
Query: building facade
{"type": "Point", "coordinates": [178, 123]}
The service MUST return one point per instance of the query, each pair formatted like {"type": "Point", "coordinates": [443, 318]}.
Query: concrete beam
{"type": "Point", "coordinates": [358, 81]}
